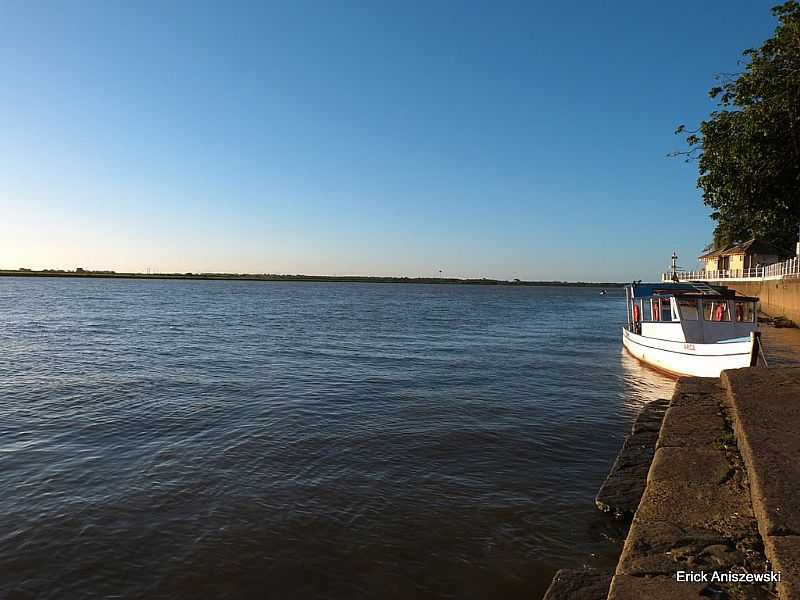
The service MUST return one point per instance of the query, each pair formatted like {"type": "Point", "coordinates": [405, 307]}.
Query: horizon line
{"type": "Point", "coordinates": [212, 275]}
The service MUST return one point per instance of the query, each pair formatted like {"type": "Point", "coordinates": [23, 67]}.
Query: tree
{"type": "Point", "coordinates": [748, 151]}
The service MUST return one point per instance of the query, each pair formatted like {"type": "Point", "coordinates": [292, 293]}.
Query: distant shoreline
{"type": "Point", "coordinates": [319, 278]}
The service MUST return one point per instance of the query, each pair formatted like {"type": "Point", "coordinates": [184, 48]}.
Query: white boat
{"type": "Point", "coordinates": [691, 328]}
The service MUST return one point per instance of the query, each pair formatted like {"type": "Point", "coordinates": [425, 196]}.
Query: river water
{"type": "Point", "coordinates": [211, 439]}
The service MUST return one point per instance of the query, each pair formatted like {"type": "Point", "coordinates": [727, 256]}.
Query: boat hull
{"type": "Point", "coordinates": [681, 358]}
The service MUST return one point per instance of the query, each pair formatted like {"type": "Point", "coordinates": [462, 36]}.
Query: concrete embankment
{"type": "Point", "coordinates": [695, 514]}
{"type": "Point", "coordinates": [765, 413]}
{"type": "Point", "coordinates": [721, 498]}
{"type": "Point", "coordinates": [778, 297]}
{"type": "Point", "coordinates": [722, 495]}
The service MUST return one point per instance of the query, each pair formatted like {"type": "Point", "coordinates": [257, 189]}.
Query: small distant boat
{"type": "Point", "coordinates": [691, 328]}
{"type": "Point", "coordinates": [603, 292]}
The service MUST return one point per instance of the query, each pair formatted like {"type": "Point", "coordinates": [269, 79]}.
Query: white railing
{"type": "Point", "coordinates": [782, 270]}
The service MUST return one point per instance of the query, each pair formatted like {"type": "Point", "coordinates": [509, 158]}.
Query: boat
{"type": "Point", "coordinates": [691, 328]}
{"type": "Point", "coordinates": [603, 292]}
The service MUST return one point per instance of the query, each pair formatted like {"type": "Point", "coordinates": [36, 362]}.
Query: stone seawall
{"type": "Point", "coordinates": [779, 298]}
{"type": "Point", "coordinates": [695, 514]}
{"type": "Point", "coordinates": [765, 415]}
{"type": "Point", "coordinates": [722, 493]}
{"type": "Point", "coordinates": [721, 497]}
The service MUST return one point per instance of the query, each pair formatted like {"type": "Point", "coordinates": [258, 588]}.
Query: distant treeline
{"type": "Point", "coordinates": [274, 277]}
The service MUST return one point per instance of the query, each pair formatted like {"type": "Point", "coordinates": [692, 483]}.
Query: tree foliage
{"type": "Point", "coordinates": [748, 151]}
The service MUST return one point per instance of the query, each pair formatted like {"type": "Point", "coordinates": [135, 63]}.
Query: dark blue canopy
{"type": "Point", "coordinates": [646, 290]}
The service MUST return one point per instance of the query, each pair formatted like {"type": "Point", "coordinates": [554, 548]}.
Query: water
{"type": "Point", "coordinates": [163, 439]}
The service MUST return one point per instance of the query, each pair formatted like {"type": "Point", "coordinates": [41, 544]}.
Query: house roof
{"type": "Point", "coordinates": [753, 246]}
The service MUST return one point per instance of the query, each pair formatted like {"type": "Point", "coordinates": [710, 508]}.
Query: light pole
{"type": "Point", "coordinates": [674, 266]}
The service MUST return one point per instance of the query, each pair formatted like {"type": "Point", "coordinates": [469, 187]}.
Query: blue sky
{"type": "Point", "coordinates": [481, 138]}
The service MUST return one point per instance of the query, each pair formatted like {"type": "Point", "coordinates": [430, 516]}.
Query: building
{"type": "Point", "coordinates": [740, 257]}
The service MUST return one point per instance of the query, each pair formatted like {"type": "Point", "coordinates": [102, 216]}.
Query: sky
{"type": "Point", "coordinates": [483, 139]}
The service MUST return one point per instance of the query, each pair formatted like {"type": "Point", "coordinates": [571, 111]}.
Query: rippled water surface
{"type": "Point", "coordinates": [166, 439]}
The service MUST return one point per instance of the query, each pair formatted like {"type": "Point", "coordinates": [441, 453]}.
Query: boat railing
{"type": "Point", "coordinates": [781, 270]}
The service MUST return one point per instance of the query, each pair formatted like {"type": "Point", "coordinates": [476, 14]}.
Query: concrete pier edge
{"type": "Point", "coordinates": [723, 491]}
{"type": "Point", "coordinates": [695, 513]}
{"type": "Point", "coordinates": [765, 415]}
{"type": "Point", "coordinates": [722, 494]}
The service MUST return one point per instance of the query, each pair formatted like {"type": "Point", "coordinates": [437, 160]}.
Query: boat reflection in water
{"type": "Point", "coordinates": [643, 384]}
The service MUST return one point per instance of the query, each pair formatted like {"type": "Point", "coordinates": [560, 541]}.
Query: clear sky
{"type": "Point", "coordinates": [485, 139]}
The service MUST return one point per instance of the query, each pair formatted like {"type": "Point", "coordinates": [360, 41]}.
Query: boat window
{"type": "Point", "coordinates": [688, 309]}
{"type": "Point", "coordinates": [744, 312]}
{"type": "Point", "coordinates": [648, 311]}
{"type": "Point", "coordinates": [716, 310]}
{"type": "Point", "coordinates": [656, 309]}
{"type": "Point", "coordinates": [666, 311]}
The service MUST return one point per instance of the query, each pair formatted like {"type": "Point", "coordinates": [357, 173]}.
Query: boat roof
{"type": "Point", "coordinates": [684, 288]}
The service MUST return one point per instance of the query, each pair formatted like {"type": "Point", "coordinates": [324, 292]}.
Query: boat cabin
{"type": "Point", "coordinates": [689, 312]}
